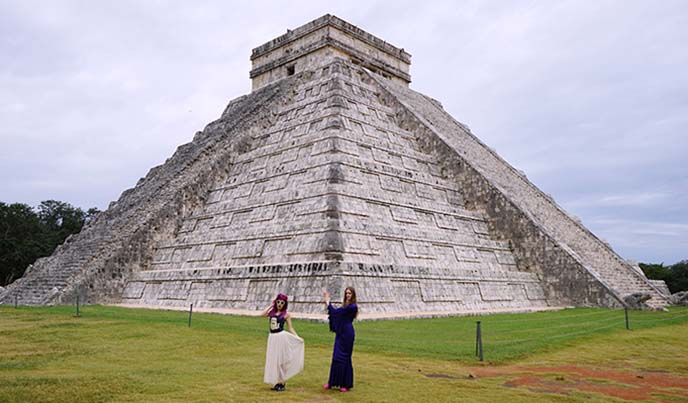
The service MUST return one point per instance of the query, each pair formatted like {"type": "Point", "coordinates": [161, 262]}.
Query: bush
{"type": "Point", "coordinates": [675, 276]}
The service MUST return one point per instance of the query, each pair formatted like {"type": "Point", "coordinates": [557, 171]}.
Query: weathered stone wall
{"type": "Point", "coordinates": [310, 46]}
{"type": "Point", "coordinates": [334, 176]}
{"type": "Point", "coordinates": [334, 180]}
{"type": "Point", "coordinates": [380, 288]}
{"type": "Point", "coordinates": [661, 286]}
{"type": "Point", "coordinates": [574, 264]}
{"type": "Point", "coordinates": [96, 262]}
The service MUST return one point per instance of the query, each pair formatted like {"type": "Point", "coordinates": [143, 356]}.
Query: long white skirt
{"type": "Point", "coordinates": [283, 358]}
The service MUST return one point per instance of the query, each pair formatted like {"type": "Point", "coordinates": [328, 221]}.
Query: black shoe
{"type": "Point", "coordinates": [280, 387]}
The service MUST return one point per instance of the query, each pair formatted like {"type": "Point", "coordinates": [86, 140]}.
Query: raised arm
{"type": "Point", "coordinates": [326, 298]}
{"type": "Point", "coordinates": [266, 311]}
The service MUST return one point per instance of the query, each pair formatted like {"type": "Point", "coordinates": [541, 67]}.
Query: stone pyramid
{"type": "Point", "coordinates": [332, 172]}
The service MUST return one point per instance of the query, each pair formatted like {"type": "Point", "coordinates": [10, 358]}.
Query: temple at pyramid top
{"type": "Point", "coordinates": [317, 43]}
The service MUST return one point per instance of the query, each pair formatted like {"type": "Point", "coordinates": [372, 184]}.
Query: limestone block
{"type": "Point", "coordinates": [637, 300]}
{"type": "Point", "coordinates": [133, 290]}
{"type": "Point", "coordinates": [661, 286]}
{"type": "Point", "coordinates": [418, 249]}
{"type": "Point", "coordinates": [390, 183]}
{"type": "Point", "coordinates": [403, 214]}
{"type": "Point", "coordinates": [680, 298]}
{"type": "Point", "coordinates": [464, 253]}
{"type": "Point", "coordinates": [496, 291]}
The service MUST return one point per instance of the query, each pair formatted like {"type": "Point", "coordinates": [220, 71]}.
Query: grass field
{"type": "Point", "coordinates": [114, 354]}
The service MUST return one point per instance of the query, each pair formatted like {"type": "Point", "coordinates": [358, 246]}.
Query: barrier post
{"type": "Point", "coordinates": [479, 342]}
{"type": "Point", "coordinates": [190, 313]}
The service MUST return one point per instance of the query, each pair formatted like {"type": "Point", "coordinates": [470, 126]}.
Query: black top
{"type": "Point", "coordinates": [276, 324]}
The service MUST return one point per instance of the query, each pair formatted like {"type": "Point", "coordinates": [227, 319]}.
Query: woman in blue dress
{"type": "Point", "coordinates": [341, 323]}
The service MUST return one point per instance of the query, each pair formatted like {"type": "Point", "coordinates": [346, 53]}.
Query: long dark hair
{"type": "Point", "coordinates": [353, 299]}
{"type": "Point", "coordinates": [353, 296]}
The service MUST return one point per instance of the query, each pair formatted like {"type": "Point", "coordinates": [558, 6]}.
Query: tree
{"type": "Point", "coordinates": [675, 276]}
{"type": "Point", "coordinates": [21, 240]}
{"type": "Point", "coordinates": [26, 235]}
{"type": "Point", "coordinates": [678, 279]}
{"type": "Point", "coordinates": [91, 214]}
{"type": "Point", "coordinates": [60, 220]}
{"type": "Point", "coordinates": [655, 271]}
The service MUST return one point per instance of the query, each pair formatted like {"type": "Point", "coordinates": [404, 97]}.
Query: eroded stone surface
{"type": "Point", "coordinates": [332, 175]}
{"type": "Point", "coordinates": [680, 298]}
{"type": "Point", "coordinates": [661, 286]}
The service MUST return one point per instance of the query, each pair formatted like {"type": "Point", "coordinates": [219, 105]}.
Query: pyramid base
{"type": "Point", "coordinates": [383, 291]}
{"type": "Point", "coordinates": [322, 317]}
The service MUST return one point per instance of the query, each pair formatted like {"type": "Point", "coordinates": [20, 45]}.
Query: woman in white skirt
{"type": "Point", "coordinates": [284, 355]}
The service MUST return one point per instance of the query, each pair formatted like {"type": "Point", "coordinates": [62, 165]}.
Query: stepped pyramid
{"type": "Point", "coordinates": [332, 172]}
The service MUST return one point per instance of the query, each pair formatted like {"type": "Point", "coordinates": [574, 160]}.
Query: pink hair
{"type": "Point", "coordinates": [283, 312]}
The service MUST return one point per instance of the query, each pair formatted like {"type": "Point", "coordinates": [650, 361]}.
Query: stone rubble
{"type": "Point", "coordinates": [680, 298]}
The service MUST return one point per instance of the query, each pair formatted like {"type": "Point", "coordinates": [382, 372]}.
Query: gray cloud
{"type": "Point", "coordinates": [590, 99]}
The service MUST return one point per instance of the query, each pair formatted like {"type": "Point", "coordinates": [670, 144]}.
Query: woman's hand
{"type": "Point", "coordinates": [326, 297]}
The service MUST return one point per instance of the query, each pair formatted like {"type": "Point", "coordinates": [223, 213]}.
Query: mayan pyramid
{"type": "Point", "coordinates": [332, 172]}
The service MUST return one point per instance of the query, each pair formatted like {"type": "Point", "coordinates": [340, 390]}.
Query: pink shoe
{"type": "Point", "coordinates": [344, 389]}
{"type": "Point", "coordinates": [326, 386]}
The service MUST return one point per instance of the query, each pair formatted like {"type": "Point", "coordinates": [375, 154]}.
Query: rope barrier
{"type": "Point", "coordinates": [492, 336]}
{"type": "Point", "coordinates": [549, 326]}
{"type": "Point", "coordinates": [530, 319]}
{"type": "Point", "coordinates": [558, 336]}
{"type": "Point", "coordinates": [653, 320]}
{"type": "Point", "coordinates": [462, 341]}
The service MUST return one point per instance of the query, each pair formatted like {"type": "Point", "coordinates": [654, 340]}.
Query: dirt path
{"type": "Point", "coordinates": [657, 386]}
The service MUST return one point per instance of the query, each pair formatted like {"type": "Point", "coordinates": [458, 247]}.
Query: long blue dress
{"type": "Point", "coordinates": [341, 322]}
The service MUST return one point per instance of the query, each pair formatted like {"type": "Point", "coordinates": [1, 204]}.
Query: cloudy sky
{"type": "Point", "coordinates": [589, 98]}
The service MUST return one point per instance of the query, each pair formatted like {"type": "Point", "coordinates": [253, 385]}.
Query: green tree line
{"type": "Point", "coordinates": [28, 233]}
{"type": "Point", "coordinates": [675, 275]}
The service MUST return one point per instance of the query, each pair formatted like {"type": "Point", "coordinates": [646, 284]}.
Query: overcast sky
{"type": "Point", "coordinates": [589, 98]}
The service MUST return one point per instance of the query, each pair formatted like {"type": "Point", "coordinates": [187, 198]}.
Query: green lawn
{"type": "Point", "coordinates": [123, 355]}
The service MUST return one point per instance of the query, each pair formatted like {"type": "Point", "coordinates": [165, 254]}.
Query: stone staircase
{"type": "Point", "coordinates": [96, 261]}
{"type": "Point", "coordinates": [48, 277]}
